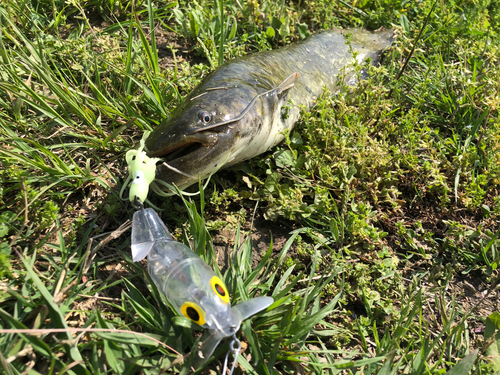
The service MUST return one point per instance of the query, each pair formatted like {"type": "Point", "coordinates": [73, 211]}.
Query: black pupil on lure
{"type": "Point", "coordinates": [205, 117]}
{"type": "Point", "coordinates": [193, 314]}
{"type": "Point", "coordinates": [220, 290]}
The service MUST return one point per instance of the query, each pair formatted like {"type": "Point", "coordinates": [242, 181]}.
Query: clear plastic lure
{"type": "Point", "coordinates": [189, 284]}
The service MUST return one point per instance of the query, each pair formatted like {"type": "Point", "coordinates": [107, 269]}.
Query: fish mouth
{"type": "Point", "coordinates": [185, 149]}
{"type": "Point", "coordinates": [181, 151]}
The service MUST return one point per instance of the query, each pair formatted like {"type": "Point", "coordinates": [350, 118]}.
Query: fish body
{"type": "Point", "coordinates": [189, 284]}
{"type": "Point", "coordinates": [243, 108]}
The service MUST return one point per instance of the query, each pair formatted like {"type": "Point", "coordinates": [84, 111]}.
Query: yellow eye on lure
{"type": "Point", "coordinates": [189, 284]}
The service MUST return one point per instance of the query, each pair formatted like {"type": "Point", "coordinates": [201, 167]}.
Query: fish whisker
{"type": "Point", "coordinates": [179, 171]}
{"type": "Point", "coordinates": [213, 89]}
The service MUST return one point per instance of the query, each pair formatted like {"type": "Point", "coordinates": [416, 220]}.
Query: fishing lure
{"type": "Point", "coordinates": [189, 284]}
{"type": "Point", "coordinates": [142, 170]}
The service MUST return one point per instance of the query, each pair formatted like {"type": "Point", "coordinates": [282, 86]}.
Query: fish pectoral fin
{"type": "Point", "coordinates": [288, 83]}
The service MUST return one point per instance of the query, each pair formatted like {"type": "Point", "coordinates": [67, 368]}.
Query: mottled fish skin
{"type": "Point", "coordinates": [228, 90]}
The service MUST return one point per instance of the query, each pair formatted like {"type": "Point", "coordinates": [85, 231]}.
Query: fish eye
{"type": "Point", "coordinates": [220, 289]}
{"type": "Point", "coordinates": [193, 312]}
{"type": "Point", "coordinates": [205, 117]}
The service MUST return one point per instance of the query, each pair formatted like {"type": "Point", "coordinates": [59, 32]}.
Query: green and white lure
{"type": "Point", "coordinates": [142, 170]}
{"type": "Point", "coordinates": [189, 284]}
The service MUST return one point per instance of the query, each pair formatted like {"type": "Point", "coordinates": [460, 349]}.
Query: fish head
{"type": "Point", "coordinates": [203, 133]}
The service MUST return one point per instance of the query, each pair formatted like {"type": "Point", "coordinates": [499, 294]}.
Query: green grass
{"type": "Point", "coordinates": [388, 191]}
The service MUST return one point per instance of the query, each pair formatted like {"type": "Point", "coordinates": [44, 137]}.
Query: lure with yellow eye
{"type": "Point", "coordinates": [188, 283]}
{"type": "Point", "coordinates": [220, 289]}
{"type": "Point", "coordinates": [193, 312]}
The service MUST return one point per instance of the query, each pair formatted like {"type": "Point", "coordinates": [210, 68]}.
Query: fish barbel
{"type": "Point", "coordinates": [243, 108]}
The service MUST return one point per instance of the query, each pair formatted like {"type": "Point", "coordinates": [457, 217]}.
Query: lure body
{"type": "Point", "coordinates": [188, 283]}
